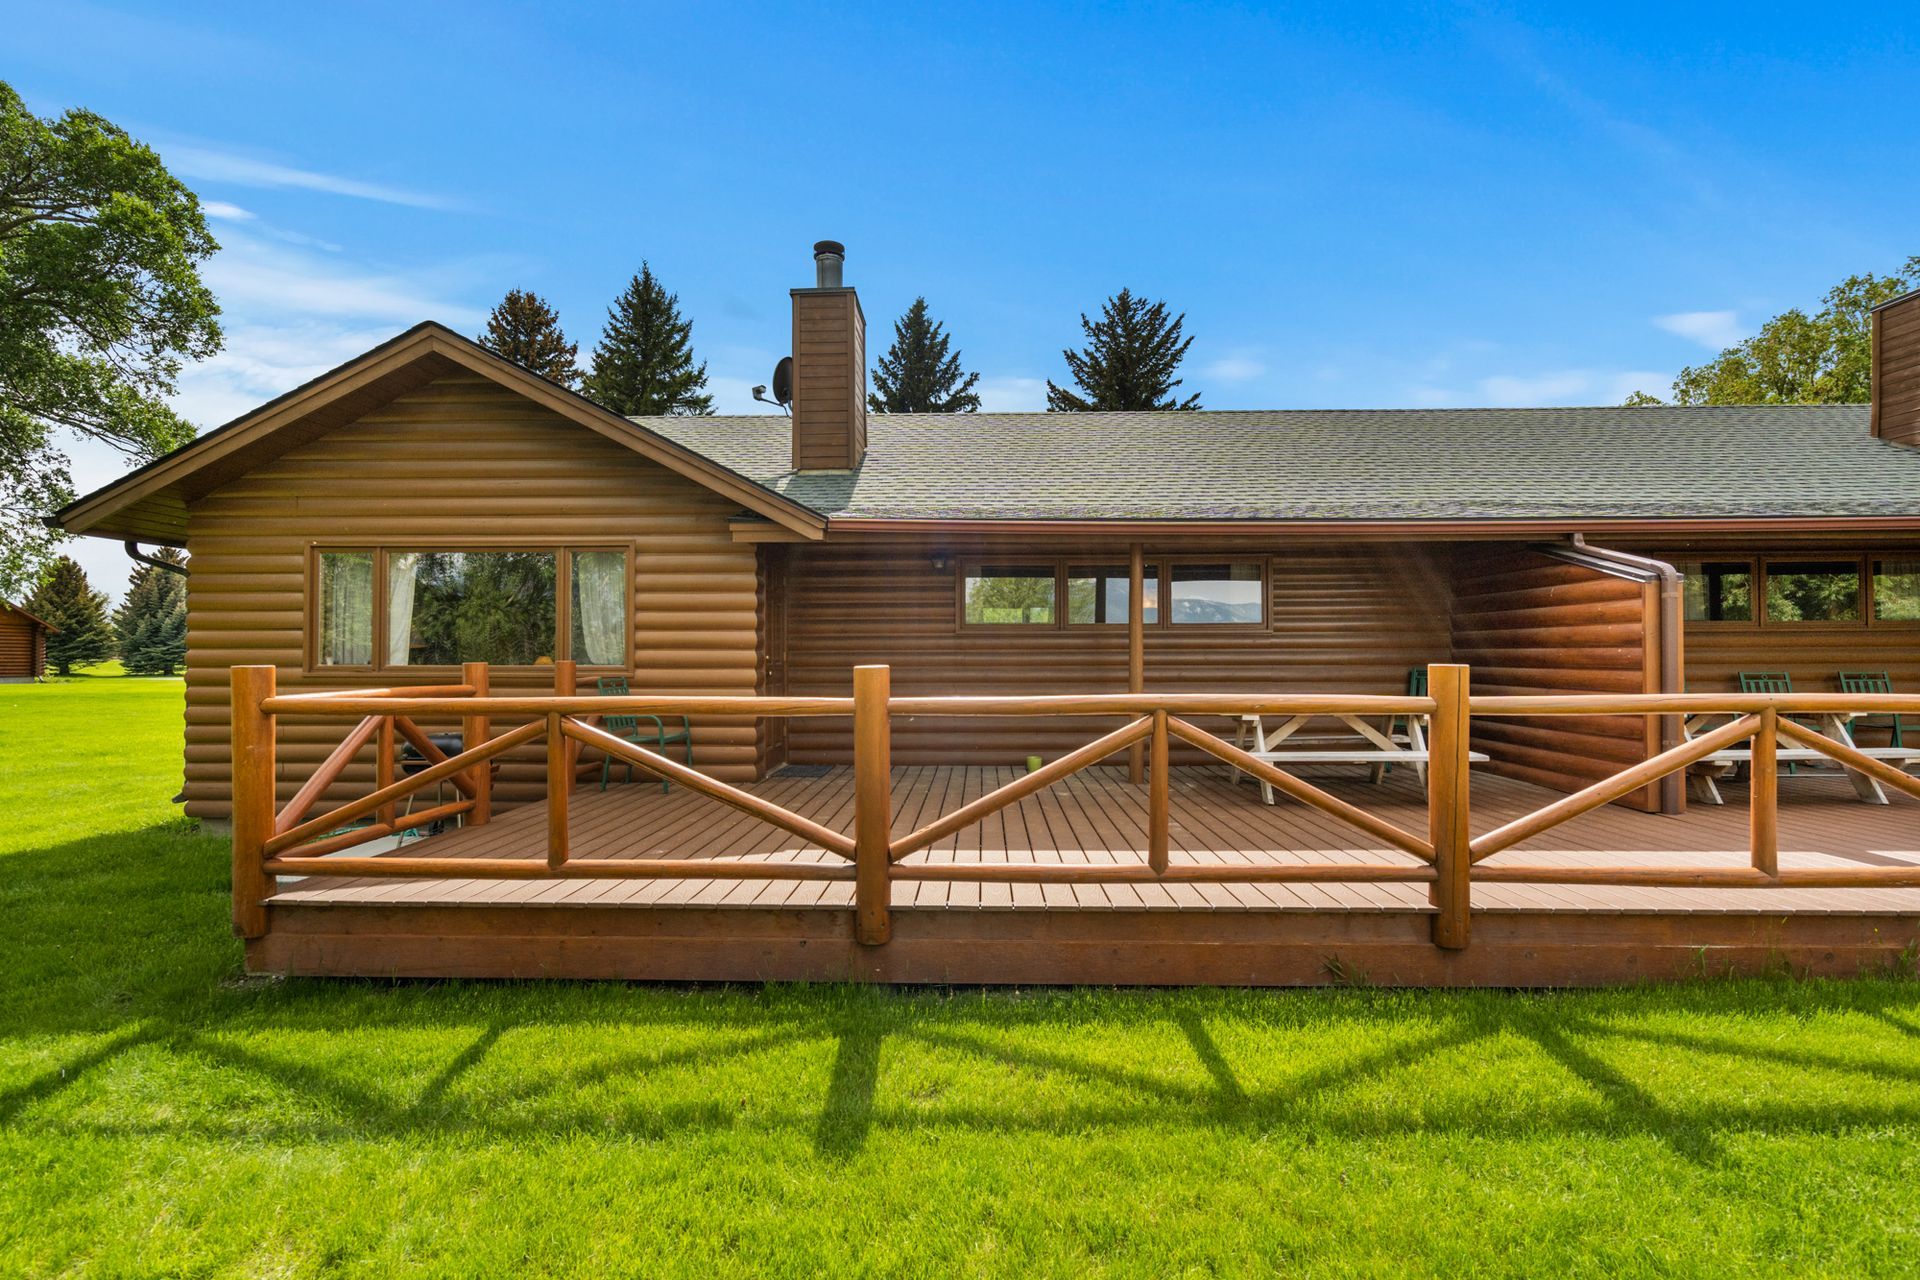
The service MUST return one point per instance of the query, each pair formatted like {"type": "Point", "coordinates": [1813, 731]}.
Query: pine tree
{"type": "Point", "coordinates": [917, 375]}
{"type": "Point", "coordinates": [1129, 360]}
{"type": "Point", "coordinates": [525, 330]}
{"type": "Point", "coordinates": [68, 601]}
{"type": "Point", "coordinates": [151, 622]}
{"type": "Point", "coordinates": [644, 363]}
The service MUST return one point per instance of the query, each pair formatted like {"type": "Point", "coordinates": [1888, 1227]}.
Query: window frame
{"type": "Point", "coordinates": [1756, 599]}
{"type": "Point", "coordinates": [1260, 564]}
{"type": "Point", "coordinates": [964, 569]}
{"type": "Point", "coordinates": [1759, 564]}
{"type": "Point", "coordinates": [1157, 568]}
{"type": "Point", "coordinates": [563, 553]}
{"type": "Point", "coordinates": [1150, 571]}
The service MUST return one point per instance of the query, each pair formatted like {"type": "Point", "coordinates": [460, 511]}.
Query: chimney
{"type": "Point", "coordinates": [1896, 370]}
{"type": "Point", "coordinates": [829, 369]}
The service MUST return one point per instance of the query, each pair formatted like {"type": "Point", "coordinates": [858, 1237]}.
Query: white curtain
{"type": "Point", "coordinates": [401, 569]}
{"type": "Point", "coordinates": [600, 607]}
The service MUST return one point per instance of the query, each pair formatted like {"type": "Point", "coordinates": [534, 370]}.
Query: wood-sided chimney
{"type": "Point", "coordinates": [829, 369]}
{"type": "Point", "coordinates": [1896, 370]}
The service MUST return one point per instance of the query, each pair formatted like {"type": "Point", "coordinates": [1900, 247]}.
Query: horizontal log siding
{"type": "Point", "coordinates": [1342, 619]}
{"type": "Point", "coordinates": [21, 656]}
{"type": "Point", "coordinates": [1529, 623]}
{"type": "Point", "coordinates": [460, 457]}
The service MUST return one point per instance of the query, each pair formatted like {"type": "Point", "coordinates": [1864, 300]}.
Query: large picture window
{"type": "Point", "coordinates": [407, 607]}
{"type": "Point", "coordinates": [1813, 591]}
{"type": "Point", "coordinates": [1896, 590]}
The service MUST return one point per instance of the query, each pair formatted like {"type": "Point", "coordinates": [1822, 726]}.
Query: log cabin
{"type": "Point", "coordinates": [430, 506]}
{"type": "Point", "coordinates": [23, 644]}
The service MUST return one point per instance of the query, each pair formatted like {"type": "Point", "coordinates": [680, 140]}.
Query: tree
{"type": "Point", "coordinates": [644, 363]}
{"type": "Point", "coordinates": [66, 600]}
{"type": "Point", "coordinates": [917, 375]}
{"type": "Point", "coordinates": [1129, 361]}
{"type": "Point", "coordinates": [100, 302]}
{"type": "Point", "coordinates": [151, 623]}
{"type": "Point", "coordinates": [525, 330]}
{"type": "Point", "coordinates": [1796, 358]}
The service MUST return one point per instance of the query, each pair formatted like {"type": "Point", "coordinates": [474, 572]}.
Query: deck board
{"type": "Point", "coordinates": [1098, 817]}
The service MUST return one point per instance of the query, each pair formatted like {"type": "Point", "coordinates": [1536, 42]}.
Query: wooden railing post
{"type": "Point", "coordinates": [1158, 796]}
{"type": "Point", "coordinates": [473, 732]}
{"type": "Point", "coordinates": [1447, 794]}
{"type": "Point", "coordinates": [383, 769]}
{"type": "Point", "coordinates": [253, 796]}
{"type": "Point", "coordinates": [1764, 790]}
{"type": "Point", "coordinates": [872, 805]}
{"type": "Point", "coordinates": [1136, 643]}
{"type": "Point", "coordinates": [559, 788]}
{"type": "Point", "coordinates": [566, 683]}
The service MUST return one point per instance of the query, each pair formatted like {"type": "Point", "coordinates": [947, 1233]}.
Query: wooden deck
{"type": "Point", "coordinates": [735, 929]}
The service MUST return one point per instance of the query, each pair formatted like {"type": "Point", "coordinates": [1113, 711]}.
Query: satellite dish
{"type": "Point", "coordinates": [783, 380]}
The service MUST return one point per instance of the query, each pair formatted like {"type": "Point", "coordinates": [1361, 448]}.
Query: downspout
{"type": "Point", "coordinates": [135, 553]}
{"type": "Point", "coordinates": [1673, 791]}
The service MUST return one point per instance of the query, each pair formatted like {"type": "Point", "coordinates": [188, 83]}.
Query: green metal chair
{"type": "Point", "coordinates": [1416, 688]}
{"type": "Point", "coordinates": [1876, 682]}
{"type": "Point", "coordinates": [629, 728]}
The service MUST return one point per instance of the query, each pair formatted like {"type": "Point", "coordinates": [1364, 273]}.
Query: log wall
{"type": "Point", "coordinates": [1528, 623]}
{"type": "Point", "coordinates": [460, 456]}
{"type": "Point", "coordinates": [22, 646]}
{"type": "Point", "coordinates": [1347, 619]}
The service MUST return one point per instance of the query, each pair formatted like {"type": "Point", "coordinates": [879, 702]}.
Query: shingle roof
{"type": "Point", "coordinates": [1718, 462]}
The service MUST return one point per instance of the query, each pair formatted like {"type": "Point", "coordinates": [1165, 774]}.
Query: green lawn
{"type": "Point", "coordinates": [162, 1115]}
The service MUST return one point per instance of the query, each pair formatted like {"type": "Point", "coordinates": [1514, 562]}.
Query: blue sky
{"type": "Point", "coordinates": [1354, 205]}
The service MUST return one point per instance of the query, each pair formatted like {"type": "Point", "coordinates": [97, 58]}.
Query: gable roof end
{"type": "Point", "coordinates": [149, 504]}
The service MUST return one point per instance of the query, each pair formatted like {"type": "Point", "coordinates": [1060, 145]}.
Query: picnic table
{"type": "Point", "coordinates": [1832, 724]}
{"type": "Point", "coordinates": [1379, 746]}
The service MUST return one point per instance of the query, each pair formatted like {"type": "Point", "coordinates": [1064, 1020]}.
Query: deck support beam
{"type": "Point", "coordinates": [872, 805]}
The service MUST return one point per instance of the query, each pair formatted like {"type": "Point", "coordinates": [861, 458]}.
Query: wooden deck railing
{"type": "Point", "coordinates": [289, 842]}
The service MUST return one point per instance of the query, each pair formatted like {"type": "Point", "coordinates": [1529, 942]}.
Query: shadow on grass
{"type": "Point", "coordinates": [123, 940]}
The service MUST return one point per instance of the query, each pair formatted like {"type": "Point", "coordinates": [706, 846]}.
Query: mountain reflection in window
{"type": "Point", "coordinates": [1227, 592]}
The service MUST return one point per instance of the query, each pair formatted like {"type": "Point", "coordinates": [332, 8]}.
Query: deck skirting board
{"type": "Point", "coordinates": [1126, 948]}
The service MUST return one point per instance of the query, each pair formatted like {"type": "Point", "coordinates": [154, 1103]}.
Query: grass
{"type": "Point", "coordinates": [160, 1114]}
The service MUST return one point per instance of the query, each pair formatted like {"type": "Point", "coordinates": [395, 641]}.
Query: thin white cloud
{"type": "Point", "coordinates": [1236, 366]}
{"type": "Point", "coordinates": [246, 171]}
{"type": "Point", "coordinates": [258, 279]}
{"type": "Point", "coordinates": [225, 212]}
{"type": "Point", "coordinates": [1715, 330]}
{"type": "Point", "coordinates": [1012, 395]}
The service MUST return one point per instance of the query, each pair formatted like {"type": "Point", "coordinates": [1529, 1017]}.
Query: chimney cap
{"type": "Point", "coordinates": [829, 246]}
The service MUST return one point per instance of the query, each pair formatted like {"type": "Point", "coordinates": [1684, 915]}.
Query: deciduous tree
{"type": "Point", "coordinates": [100, 303]}
{"type": "Point", "coordinates": [1797, 358]}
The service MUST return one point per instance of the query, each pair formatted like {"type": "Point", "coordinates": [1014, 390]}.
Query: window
{"type": "Point", "coordinates": [1813, 591]}
{"type": "Point", "coordinates": [1099, 594]}
{"type": "Point", "coordinates": [345, 610]}
{"type": "Point", "coordinates": [417, 607]}
{"type": "Point", "coordinates": [1896, 590]}
{"type": "Point", "coordinates": [449, 607]}
{"type": "Point", "coordinates": [1719, 591]}
{"type": "Point", "coordinates": [1010, 594]}
{"type": "Point", "coordinates": [1224, 592]}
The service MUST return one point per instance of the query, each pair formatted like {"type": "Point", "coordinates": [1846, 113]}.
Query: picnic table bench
{"type": "Point", "coordinates": [1383, 746]}
{"type": "Point", "coordinates": [1834, 725]}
